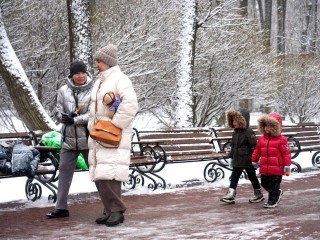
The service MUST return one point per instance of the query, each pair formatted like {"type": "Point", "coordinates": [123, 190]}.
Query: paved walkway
{"type": "Point", "coordinates": [190, 214]}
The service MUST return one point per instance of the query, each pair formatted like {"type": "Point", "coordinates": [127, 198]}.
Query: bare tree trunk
{"type": "Point", "coordinates": [281, 11]}
{"type": "Point", "coordinates": [21, 92]}
{"type": "Point", "coordinates": [304, 34]}
{"type": "Point", "coordinates": [80, 31]}
{"type": "Point", "coordinates": [244, 8]}
{"type": "Point", "coordinates": [267, 24]}
{"type": "Point", "coordinates": [193, 56]}
{"type": "Point", "coordinates": [261, 14]}
{"type": "Point", "coordinates": [315, 21]}
{"type": "Point", "coordinates": [183, 104]}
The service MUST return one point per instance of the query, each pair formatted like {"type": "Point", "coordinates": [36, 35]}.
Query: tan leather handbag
{"type": "Point", "coordinates": [105, 131]}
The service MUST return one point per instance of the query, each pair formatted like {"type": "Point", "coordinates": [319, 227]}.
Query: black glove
{"type": "Point", "coordinates": [68, 118]}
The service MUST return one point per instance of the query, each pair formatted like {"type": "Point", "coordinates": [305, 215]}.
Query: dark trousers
{"type": "Point", "coordinates": [251, 172]}
{"type": "Point", "coordinates": [272, 185]}
{"type": "Point", "coordinates": [110, 193]}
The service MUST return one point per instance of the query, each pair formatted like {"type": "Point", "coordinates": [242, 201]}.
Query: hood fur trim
{"type": "Point", "coordinates": [231, 114]}
{"type": "Point", "coordinates": [275, 126]}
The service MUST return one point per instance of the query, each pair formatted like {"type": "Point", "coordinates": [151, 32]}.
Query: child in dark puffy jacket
{"type": "Point", "coordinates": [274, 155]}
{"type": "Point", "coordinates": [242, 146]}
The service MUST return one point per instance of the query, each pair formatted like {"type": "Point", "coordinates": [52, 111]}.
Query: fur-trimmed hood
{"type": "Point", "coordinates": [275, 122]}
{"type": "Point", "coordinates": [242, 116]}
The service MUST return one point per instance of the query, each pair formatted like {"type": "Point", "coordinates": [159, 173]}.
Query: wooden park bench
{"type": "Point", "coordinates": [223, 136]}
{"type": "Point", "coordinates": [46, 172]}
{"type": "Point", "coordinates": [142, 164]}
{"type": "Point", "coordinates": [308, 139]}
{"type": "Point", "coordinates": [182, 146]}
{"type": "Point", "coordinates": [301, 137]}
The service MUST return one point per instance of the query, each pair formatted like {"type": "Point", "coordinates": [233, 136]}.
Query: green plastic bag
{"type": "Point", "coordinates": [53, 139]}
{"type": "Point", "coordinates": [81, 163]}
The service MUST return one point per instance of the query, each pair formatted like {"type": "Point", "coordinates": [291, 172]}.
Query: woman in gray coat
{"type": "Point", "coordinates": [73, 112]}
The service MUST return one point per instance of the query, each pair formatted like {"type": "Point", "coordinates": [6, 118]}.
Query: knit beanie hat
{"type": "Point", "coordinates": [76, 67]}
{"type": "Point", "coordinates": [107, 54]}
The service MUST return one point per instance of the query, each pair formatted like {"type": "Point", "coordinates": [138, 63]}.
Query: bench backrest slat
{"type": "Point", "coordinates": [182, 144]}
{"type": "Point", "coordinates": [307, 134]}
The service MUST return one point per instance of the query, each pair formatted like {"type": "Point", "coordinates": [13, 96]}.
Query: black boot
{"type": "Point", "coordinates": [58, 213]}
{"type": "Point", "coordinates": [114, 219]}
{"type": "Point", "coordinates": [102, 220]}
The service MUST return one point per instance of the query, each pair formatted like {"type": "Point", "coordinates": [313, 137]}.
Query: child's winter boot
{"type": "Point", "coordinates": [230, 196]}
{"type": "Point", "coordinates": [258, 196]}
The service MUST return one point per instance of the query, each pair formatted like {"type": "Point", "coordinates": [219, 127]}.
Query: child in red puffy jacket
{"type": "Point", "coordinates": [274, 155]}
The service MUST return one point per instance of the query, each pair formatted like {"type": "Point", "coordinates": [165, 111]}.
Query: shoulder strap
{"type": "Point", "coordinates": [75, 98]}
{"type": "Point", "coordinates": [96, 103]}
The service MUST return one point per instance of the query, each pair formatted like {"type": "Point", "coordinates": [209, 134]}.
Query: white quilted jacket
{"type": "Point", "coordinates": [108, 162]}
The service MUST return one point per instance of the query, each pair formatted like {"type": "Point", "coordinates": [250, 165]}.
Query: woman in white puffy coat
{"type": "Point", "coordinates": [109, 165]}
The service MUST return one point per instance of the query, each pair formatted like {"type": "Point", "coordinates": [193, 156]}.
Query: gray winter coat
{"type": "Point", "coordinates": [25, 160]}
{"type": "Point", "coordinates": [70, 97]}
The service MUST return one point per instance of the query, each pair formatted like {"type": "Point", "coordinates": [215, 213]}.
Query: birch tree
{"type": "Point", "coordinates": [315, 27]}
{"type": "Point", "coordinates": [306, 30]}
{"type": "Point", "coordinates": [265, 19]}
{"type": "Point", "coordinates": [310, 29]}
{"type": "Point", "coordinates": [281, 17]}
{"type": "Point", "coordinates": [267, 24]}
{"type": "Point", "coordinates": [261, 14]}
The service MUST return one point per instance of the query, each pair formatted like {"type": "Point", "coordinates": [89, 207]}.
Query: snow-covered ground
{"type": "Point", "coordinates": [176, 176]}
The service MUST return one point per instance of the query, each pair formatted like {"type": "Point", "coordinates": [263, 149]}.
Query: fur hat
{"type": "Point", "coordinates": [76, 67]}
{"type": "Point", "coordinates": [107, 54]}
